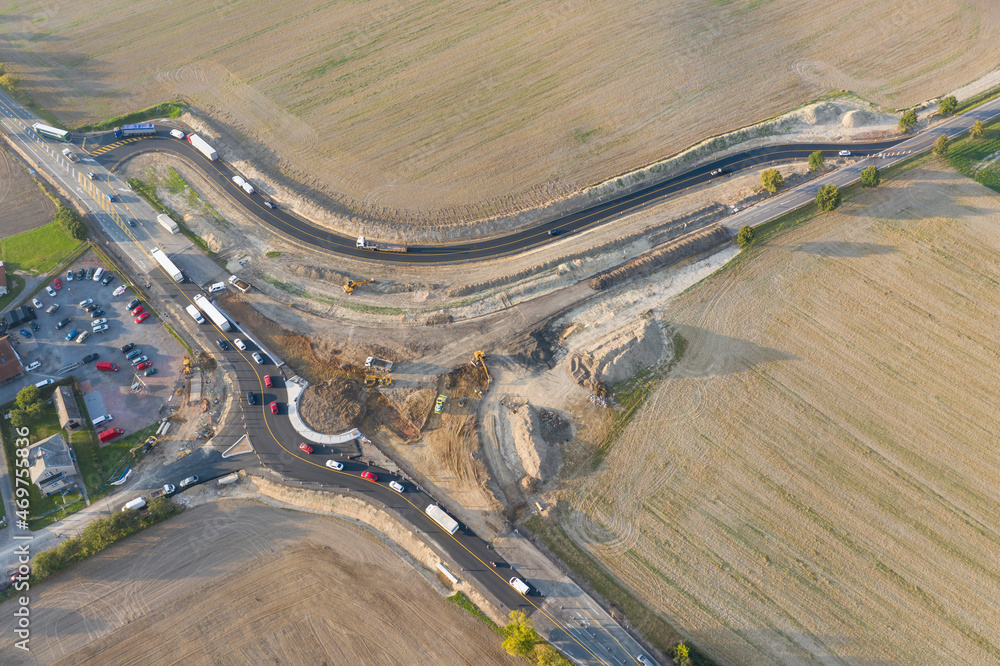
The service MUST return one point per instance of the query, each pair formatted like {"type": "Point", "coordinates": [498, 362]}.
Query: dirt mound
{"type": "Point", "coordinates": [317, 273]}
{"type": "Point", "coordinates": [333, 406]}
{"type": "Point", "coordinates": [821, 114]}
{"type": "Point", "coordinates": [856, 118]}
{"type": "Point", "coordinates": [620, 355]}
{"type": "Point", "coordinates": [523, 445]}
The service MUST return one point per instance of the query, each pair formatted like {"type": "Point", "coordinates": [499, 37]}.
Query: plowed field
{"type": "Point", "coordinates": [817, 478]}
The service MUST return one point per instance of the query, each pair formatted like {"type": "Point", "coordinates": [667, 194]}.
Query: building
{"type": "Point", "coordinates": [10, 362]}
{"type": "Point", "coordinates": [17, 317]}
{"type": "Point", "coordinates": [67, 409]}
{"type": "Point", "coordinates": [51, 466]}
{"type": "Point", "coordinates": [3, 279]}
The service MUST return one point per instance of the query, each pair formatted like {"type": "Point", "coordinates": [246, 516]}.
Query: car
{"type": "Point", "coordinates": [91, 175]}
{"type": "Point", "coordinates": [63, 323]}
{"type": "Point", "coordinates": [57, 283]}
{"type": "Point", "coordinates": [138, 310]}
{"type": "Point", "coordinates": [131, 304]}
{"type": "Point", "coordinates": [150, 372]}
{"type": "Point", "coordinates": [239, 343]}
{"type": "Point", "coordinates": [190, 481]}
{"type": "Point", "coordinates": [369, 475]}
{"type": "Point", "coordinates": [98, 322]}
{"type": "Point", "coordinates": [133, 353]}
{"type": "Point", "coordinates": [177, 134]}
{"type": "Point", "coordinates": [258, 358]}
{"type": "Point", "coordinates": [129, 347]}
{"type": "Point", "coordinates": [85, 303]}
{"type": "Point", "coordinates": [118, 290]}
{"type": "Point", "coordinates": [83, 336]}
{"type": "Point", "coordinates": [91, 357]}
{"type": "Point", "coordinates": [45, 382]}
{"type": "Point", "coordinates": [34, 326]}
{"type": "Point", "coordinates": [37, 303]}
{"type": "Point", "coordinates": [52, 308]}
{"type": "Point", "coordinates": [25, 332]}
{"type": "Point", "coordinates": [91, 308]}
{"type": "Point", "coordinates": [50, 291]}
{"type": "Point", "coordinates": [439, 403]}
{"type": "Point", "coordinates": [144, 365]}
{"type": "Point", "coordinates": [34, 366]}
{"type": "Point", "coordinates": [101, 328]}
{"type": "Point", "coordinates": [72, 334]}
{"type": "Point", "coordinates": [305, 447]}
{"type": "Point", "coordinates": [139, 359]}
{"type": "Point", "coordinates": [90, 273]}
{"type": "Point", "coordinates": [555, 232]}
{"type": "Point", "coordinates": [844, 153]}
{"type": "Point", "coordinates": [69, 276]}
{"type": "Point", "coordinates": [129, 221]}
{"type": "Point", "coordinates": [716, 172]}
{"type": "Point", "coordinates": [333, 464]}
{"type": "Point", "coordinates": [274, 407]}
{"type": "Point", "coordinates": [141, 318]}
{"type": "Point", "coordinates": [269, 204]}
{"type": "Point", "coordinates": [267, 381]}
{"type": "Point", "coordinates": [397, 486]}
{"type": "Point", "coordinates": [250, 398]}
{"type": "Point", "coordinates": [112, 198]}
{"type": "Point", "coordinates": [80, 273]}
{"type": "Point", "coordinates": [108, 277]}
{"type": "Point", "coordinates": [644, 661]}
{"type": "Point", "coordinates": [96, 314]}
{"type": "Point", "coordinates": [223, 345]}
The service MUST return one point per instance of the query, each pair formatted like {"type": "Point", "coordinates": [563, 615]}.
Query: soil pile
{"type": "Point", "coordinates": [334, 406]}
{"type": "Point", "coordinates": [620, 355]}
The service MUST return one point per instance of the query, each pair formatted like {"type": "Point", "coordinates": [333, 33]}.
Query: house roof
{"type": "Point", "coordinates": [10, 363]}
{"type": "Point", "coordinates": [66, 405]}
{"type": "Point", "coordinates": [3, 275]}
{"type": "Point", "coordinates": [50, 453]}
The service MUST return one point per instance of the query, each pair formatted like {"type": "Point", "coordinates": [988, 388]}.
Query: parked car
{"type": "Point", "coordinates": [50, 291]}
{"type": "Point", "coordinates": [97, 314]}
{"type": "Point", "coordinates": [63, 323]}
{"type": "Point", "coordinates": [138, 310]}
{"type": "Point", "coordinates": [97, 275]}
{"type": "Point", "coordinates": [107, 278]}
{"type": "Point", "coordinates": [190, 481]}
{"type": "Point", "coordinates": [267, 381]}
{"type": "Point", "coordinates": [25, 332]}
{"type": "Point", "coordinates": [34, 326]}
{"type": "Point", "coordinates": [258, 358]}
{"type": "Point", "coordinates": [397, 486]}
{"type": "Point", "coordinates": [129, 347]}
{"type": "Point", "coordinates": [239, 343]}
{"type": "Point", "coordinates": [90, 273]}
{"type": "Point", "coordinates": [141, 318]}
{"type": "Point", "coordinates": [139, 359]}
{"type": "Point", "coordinates": [83, 336]}
{"type": "Point", "coordinates": [333, 464]}
{"type": "Point", "coordinates": [57, 283]}
{"type": "Point", "coordinates": [80, 273]}
{"type": "Point", "coordinates": [250, 398]}
{"type": "Point", "coordinates": [71, 334]}
{"type": "Point", "coordinates": [150, 372]}
{"type": "Point", "coordinates": [101, 328]}
{"type": "Point", "coordinates": [98, 322]}
{"type": "Point", "coordinates": [52, 308]}
{"type": "Point", "coordinates": [34, 366]}
{"type": "Point", "coordinates": [133, 353]}
{"type": "Point", "coordinates": [305, 447]}
{"type": "Point", "coordinates": [91, 307]}
{"type": "Point", "coordinates": [91, 357]}
{"type": "Point", "coordinates": [144, 365]}
{"type": "Point", "coordinates": [119, 290]}
{"type": "Point", "coordinates": [37, 303]}
{"type": "Point", "coordinates": [131, 304]}
{"type": "Point", "coordinates": [223, 345]}
{"type": "Point", "coordinates": [274, 407]}
{"type": "Point", "coordinates": [86, 302]}
{"type": "Point", "coordinates": [69, 276]}
{"type": "Point", "coordinates": [369, 475]}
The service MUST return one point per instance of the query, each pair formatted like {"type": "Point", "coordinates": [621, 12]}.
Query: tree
{"type": "Point", "coordinates": [828, 197]}
{"type": "Point", "coordinates": [948, 105]}
{"type": "Point", "coordinates": [682, 655]}
{"type": "Point", "coordinates": [908, 121]}
{"type": "Point", "coordinates": [520, 635]}
{"type": "Point", "coordinates": [771, 180]}
{"type": "Point", "coordinates": [977, 130]}
{"type": "Point", "coordinates": [28, 396]}
{"type": "Point", "coordinates": [870, 177]}
{"type": "Point", "coordinates": [29, 405]}
{"type": "Point", "coordinates": [71, 222]}
{"type": "Point", "coordinates": [941, 145]}
{"type": "Point", "coordinates": [546, 655]}
{"type": "Point", "coordinates": [745, 236]}
{"type": "Point", "coordinates": [816, 160]}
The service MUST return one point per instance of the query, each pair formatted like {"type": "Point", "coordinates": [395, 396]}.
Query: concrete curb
{"type": "Point", "coordinates": [295, 386]}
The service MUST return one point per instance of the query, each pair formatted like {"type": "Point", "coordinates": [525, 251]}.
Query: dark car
{"type": "Point", "coordinates": [129, 347]}
{"type": "Point", "coordinates": [131, 304]}
{"type": "Point", "coordinates": [269, 204]}
{"type": "Point", "coordinates": [223, 345]}
{"type": "Point", "coordinates": [91, 307]}
{"type": "Point", "coordinates": [252, 400]}
{"type": "Point", "coordinates": [63, 323]}
{"type": "Point", "coordinates": [130, 221]}
{"type": "Point", "coordinates": [34, 326]}
{"type": "Point", "coordinates": [80, 273]}
{"type": "Point", "coordinates": [90, 273]}
{"type": "Point", "coordinates": [555, 232]}
{"type": "Point", "coordinates": [96, 314]}
{"type": "Point", "coordinates": [132, 354]}
{"type": "Point", "coordinates": [107, 278]}
{"type": "Point", "coordinates": [91, 357]}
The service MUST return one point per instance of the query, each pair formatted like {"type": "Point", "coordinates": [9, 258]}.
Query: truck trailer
{"type": "Point", "coordinates": [365, 244]}
{"type": "Point", "coordinates": [168, 223]}
{"type": "Point", "coordinates": [193, 311]}
{"type": "Point", "coordinates": [202, 146]}
{"type": "Point", "coordinates": [242, 285]}
{"type": "Point", "coordinates": [163, 260]}
{"type": "Point", "coordinates": [247, 187]}
{"type": "Point", "coordinates": [139, 129]}
{"type": "Point", "coordinates": [213, 312]}
{"type": "Point", "coordinates": [439, 516]}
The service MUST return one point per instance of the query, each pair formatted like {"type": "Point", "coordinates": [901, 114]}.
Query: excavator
{"type": "Point", "coordinates": [480, 358]}
{"type": "Point", "coordinates": [377, 380]}
{"type": "Point", "coordinates": [351, 286]}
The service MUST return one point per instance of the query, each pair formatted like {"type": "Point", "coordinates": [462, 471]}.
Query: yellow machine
{"type": "Point", "coordinates": [480, 358]}
{"type": "Point", "coordinates": [350, 286]}
{"type": "Point", "coordinates": [376, 380]}
{"type": "Point", "coordinates": [187, 366]}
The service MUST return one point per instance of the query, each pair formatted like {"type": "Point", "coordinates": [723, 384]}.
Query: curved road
{"type": "Point", "coordinates": [110, 152]}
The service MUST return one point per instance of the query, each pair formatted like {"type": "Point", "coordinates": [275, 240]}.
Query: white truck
{"type": "Point", "coordinates": [70, 155]}
{"type": "Point", "coordinates": [168, 223]}
{"type": "Point", "coordinates": [247, 187]}
{"type": "Point", "coordinates": [242, 285]}
{"type": "Point", "coordinates": [519, 585]}
{"type": "Point", "coordinates": [163, 260]}
{"type": "Point", "coordinates": [167, 490]}
{"type": "Point", "coordinates": [213, 312]}
{"type": "Point", "coordinates": [203, 147]}
{"type": "Point", "coordinates": [439, 516]}
{"type": "Point", "coordinates": [135, 505]}
{"type": "Point", "coordinates": [380, 363]}
{"type": "Point", "coordinates": [195, 314]}
{"type": "Point", "coordinates": [365, 244]}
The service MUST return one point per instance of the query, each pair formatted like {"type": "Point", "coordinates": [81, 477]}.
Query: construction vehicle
{"type": "Point", "coordinates": [351, 286]}
{"type": "Point", "coordinates": [377, 380]}
{"type": "Point", "coordinates": [378, 363]}
{"type": "Point", "coordinates": [480, 358]}
{"type": "Point", "coordinates": [187, 366]}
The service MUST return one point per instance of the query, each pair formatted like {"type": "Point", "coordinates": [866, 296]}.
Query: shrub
{"type": "Point", "coordinates": [520, 633]}
{"type": "Point", "coordinates": [816, 160]}
{"type": "Point", "coordinates": [908, 121]}
{"type": "Point", "coordinates": [828, 197]}
{"type": "Point", "coordinates": [870, 177]}
{"type": "Point", "coordinates": [948, 105]}
{"type": "Point", "coordinates": [71, 222]}
{"type": "Point", "coordinates": [941, 145]}
{"type": "Point", "coordinates": [682, 655]}
{"type": "Point", "coordinates": [977, 130]}
{"type": "Point", "coordinates": [772, 180]}
{"type": "Point", "coordinates": [745, 236]}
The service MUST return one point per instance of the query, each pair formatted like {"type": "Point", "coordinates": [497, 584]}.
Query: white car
{"type": "Point", "coordinates": [98, 322]}
{"type": "Point", "coordinates": [85, 303]}
{"type": "Point", "coordinates": [50, 291]}
{"type": "Point", "coordinates": [100, 329]}
{"type": "Point", "coordinates": [83, 336]}
{"type": "Point", "coordinates": [37, 303]}
{"type": "Point", "coordinates": [34, 366]}
{"type": "Point", "coordinates": [844, 153]}
{"type": "Point", "coordinates": [177, 134]}
{"type": "Point", "coordinates": [239, 343]}
{"type": "Point", "coordinates": [397, 486]}
{"type": "Point", "coordinates": [333, 464]}
{"type": "Point", "coordinates": [257, 357]}
{"type": "Point", "coordinates": [119, 291]}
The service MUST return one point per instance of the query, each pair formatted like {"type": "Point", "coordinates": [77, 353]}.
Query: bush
{"type": "Point", "coordinates": [682, 655]}
{"type": "Point", "coordinates": [870, 177]}
{"type": "Point", "coordinates": [977, 130]}
{"type": "Point", "coordinates": [746, 236]}
{"type": "Point", "coordinates": [71, 222]}
{"type": "Point", "coordinates": [520, 633]}
{"type": "Point", "coordinates": [941, 145]}
{"type": "Point", "coordinates": [816, 160]}
{"type": "Point", "coordinates": [948, 105]}
{"type": "Point", "coordinates": [828, 197]}
{"type": "Point", "coordinates": [771, 180]}
{"type": "Point", "coordinates": [908, 121]}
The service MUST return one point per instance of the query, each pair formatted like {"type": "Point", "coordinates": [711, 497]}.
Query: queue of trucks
{"type": "Point", "coordinates": [247, 187]}
{"type": "Point", "coordinates": [164, 261]}
{"type": "Point", "coordinates": [213, 312]}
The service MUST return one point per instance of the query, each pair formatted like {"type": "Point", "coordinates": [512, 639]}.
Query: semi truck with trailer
{"type": "Point", "coordinates": [50, 132]}
{"type": "Point", "coordinates": [213, 312]}
{"type": "Point", "coordinates": [247, 187]}
{"type": "Point", "coordinates": [439, 516]}
{"type": "Point", "coordinates": [365, 244]}
{"type": "Point", "coordinates": [163, 260]}
{"type": "Point", "coordinates": [193, 311]}
{"type": "Point", "coordinates": [203, 147]}
{"type": "Point", "coordinates": [242, 285]}
{"type": "Point", "coordinates": [139, 129]}
{"type": "Point", "coordinates": [168, 223]}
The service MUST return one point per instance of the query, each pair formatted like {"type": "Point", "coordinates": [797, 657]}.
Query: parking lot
{"type": "Point", "coordinates": [104, 392]}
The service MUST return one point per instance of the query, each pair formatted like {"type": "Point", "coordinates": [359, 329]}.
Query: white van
{"type": "Point", "coordinates": [83, 336]}
{"type": "Point", "coordinates": [98, 420]}
{"type": "Point", "coordinates": [218, 286]}
{"type": "Point", "coordinates": [97, 274]}
{"type": "Point", "coordinates": [519, 585]}
{"type": "Point", "coordinates": [177, 134]}
{"type": "Point", "coordinates": [44, 382]}
{"type": "Point", "coordinates": [135, 505]}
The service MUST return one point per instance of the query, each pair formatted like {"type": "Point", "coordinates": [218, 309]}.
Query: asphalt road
{"type": "Point", "coordinates": [110, 152]}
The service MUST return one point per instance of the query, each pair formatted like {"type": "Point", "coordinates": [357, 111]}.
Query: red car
{"type": "Point", "coordinates": [267, 381]}
{"type": "Point", "coordinates": [274, 408]}
{"type": "Point", "coordinates": [144, 365]}
{"type": "Point", "coordinates": [305, 447]}
{"type": "Point", "coordinates": [57, 284]}
{"type": "Point", "coordinates": [138, 311]}
{"type": "Point", "coordinates": [141, 318]}
{"type": "Point", "coordinates": [368, 475]}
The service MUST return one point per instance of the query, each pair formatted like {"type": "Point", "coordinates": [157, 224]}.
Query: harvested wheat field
{"type": "Point", "coordinates": [448, 110]}
{"type": "Point", "coordinates": [241, 583]}
{"type": "Point", "coordinates": [822, 484]}
{"type": "Point", "coordinates": [23, 205]}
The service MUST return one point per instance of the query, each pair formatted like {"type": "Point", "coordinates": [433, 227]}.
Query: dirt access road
{"type": "Point", "coordinates": [816, 478]}
{"type": "Point", "coordinates": [235, 582]}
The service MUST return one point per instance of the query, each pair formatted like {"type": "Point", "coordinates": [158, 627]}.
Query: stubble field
{"type": "Point", "coordinates": [442, 111]}
{"type": "Point", "coordinates": [816, 479]}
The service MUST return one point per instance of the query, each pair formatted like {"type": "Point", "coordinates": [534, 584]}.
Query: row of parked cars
{"type": "Point", "coordinates": [138, 360]}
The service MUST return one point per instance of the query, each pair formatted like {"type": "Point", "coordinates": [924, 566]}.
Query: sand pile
{"type": "Point", "coordinates": [620, 355]}
{"type": "Point", "coordinates": [524, 448]}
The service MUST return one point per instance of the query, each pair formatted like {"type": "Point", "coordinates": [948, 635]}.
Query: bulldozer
{"type": "Point", "coordinates": [480, 358]}
{"type": "Point", "coordinates": [377, 380]}
{"type": "Point", "coordinates": [351, 286]}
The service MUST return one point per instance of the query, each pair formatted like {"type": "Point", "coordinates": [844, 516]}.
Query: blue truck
{"type": "Point", "coordinates": [140, 129]}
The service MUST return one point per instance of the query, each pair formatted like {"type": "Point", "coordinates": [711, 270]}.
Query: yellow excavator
{"type": "Point", "coordinates": [377, 380]}
{"type": "Point", "coordinates": [351, 286]}
{"type": "Point", "coordinates": [480, 358]}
